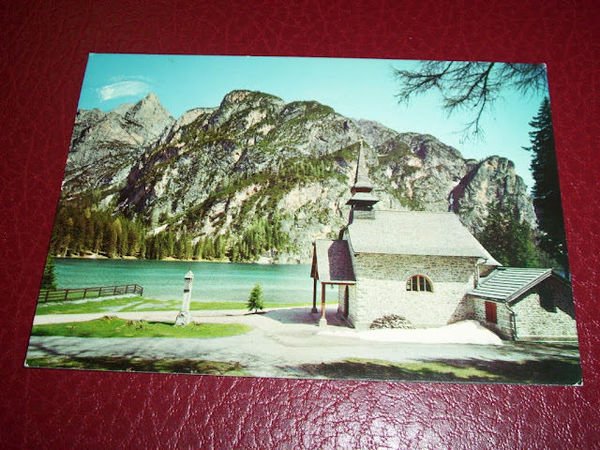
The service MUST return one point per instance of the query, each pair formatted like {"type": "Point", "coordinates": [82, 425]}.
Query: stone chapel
{"type": "Point", "coordinates": [427, 268]}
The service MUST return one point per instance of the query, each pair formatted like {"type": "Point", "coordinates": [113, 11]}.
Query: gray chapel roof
{"type": "Point", "coordinates": [415, 233]}
{"type": "Point", "coordinates": [508, 283]}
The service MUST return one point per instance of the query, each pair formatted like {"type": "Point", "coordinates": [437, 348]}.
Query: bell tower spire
{"type": "Point", "coordinates": [362, 199]}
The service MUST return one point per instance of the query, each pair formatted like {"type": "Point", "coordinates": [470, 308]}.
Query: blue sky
{"type": "Point", "coordinates": [357, 88]}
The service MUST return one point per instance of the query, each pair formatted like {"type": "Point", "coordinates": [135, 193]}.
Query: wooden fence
{"type": "Point", "coordinates": [61, 295]}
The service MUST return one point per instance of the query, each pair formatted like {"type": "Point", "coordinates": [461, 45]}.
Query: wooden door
{"type": "Point", "coordinates": [490, 312]}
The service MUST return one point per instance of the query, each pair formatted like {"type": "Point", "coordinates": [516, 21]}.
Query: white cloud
{"type": "Point", "coordinates": [122, 89]}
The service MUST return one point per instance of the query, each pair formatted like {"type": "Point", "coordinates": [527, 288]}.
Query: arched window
{"type": "Point", "coordinates": [419, 283]}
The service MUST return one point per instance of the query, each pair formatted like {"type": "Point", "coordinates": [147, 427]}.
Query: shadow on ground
{"type": "Point", "coordinates": [133, 364]}
{"type": "Point", "coordinates": [302, 315]}
{"type": "Point", "coordinates": [565, 371]}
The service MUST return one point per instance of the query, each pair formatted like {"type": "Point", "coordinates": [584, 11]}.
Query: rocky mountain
{"type": "Point", "coordinates": [258, 169]}
{"type": "Point", "coordinates": [492, 179]}
{"type": "Point", "coordinates": [105, 145]}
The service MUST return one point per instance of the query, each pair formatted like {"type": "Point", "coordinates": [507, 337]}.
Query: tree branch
{"type": "Point", "coordinates": [475, 85]}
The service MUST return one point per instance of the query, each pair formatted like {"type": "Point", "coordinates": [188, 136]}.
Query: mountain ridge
{"type": "Point", "coordinates": [213, 171]}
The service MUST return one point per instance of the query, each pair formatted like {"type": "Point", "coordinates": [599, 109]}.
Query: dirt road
{"type": "Point", "coordinates": [280, 342]}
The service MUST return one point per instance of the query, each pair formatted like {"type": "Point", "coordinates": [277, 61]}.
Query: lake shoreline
{"type": "Point", "coordinates": [213, 281]}
{"type": "Point", "coordinates": [98, 257]}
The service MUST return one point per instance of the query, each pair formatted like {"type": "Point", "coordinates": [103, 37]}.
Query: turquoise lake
{"type": "Point", "coordinates": [163, 280]}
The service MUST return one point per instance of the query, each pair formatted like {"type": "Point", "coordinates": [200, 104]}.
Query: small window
{"type": "Point", "coordinates": [419, 283]}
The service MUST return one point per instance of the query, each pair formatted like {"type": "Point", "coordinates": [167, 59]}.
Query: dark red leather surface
{"type": "Point", "coordinates": [43, 50]}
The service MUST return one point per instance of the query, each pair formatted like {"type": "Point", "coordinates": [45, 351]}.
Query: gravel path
{"type": "Point", "coordinates": [281, 340]}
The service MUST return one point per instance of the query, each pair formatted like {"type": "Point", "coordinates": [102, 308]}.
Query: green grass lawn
{"type": "Point", "coordinates": [132, 304]}
{"type": "Point", "coordinates": [114, 327]}
{"type": "Point", "coordinates": [167, 365]}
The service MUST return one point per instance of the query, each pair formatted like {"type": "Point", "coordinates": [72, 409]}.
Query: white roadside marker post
{"type": "Point", "coordinates": [184, 317]}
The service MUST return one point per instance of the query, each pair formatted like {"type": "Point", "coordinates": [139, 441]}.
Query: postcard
{"type": "Point", "coordinates": [310, 218]}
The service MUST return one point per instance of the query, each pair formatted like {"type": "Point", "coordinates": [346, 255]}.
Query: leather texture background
{"type": "Point", "coordinates": [43, 51]}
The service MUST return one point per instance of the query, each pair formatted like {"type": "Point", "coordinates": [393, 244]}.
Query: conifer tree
{"type": "Point", "coordinates": [546, 188]}
{"type": "Point", "coordinates": [256, 301]}
{"type": "Point", "coordinates": [133, 237]}
{"type": "Point", "coordinates": [179, 248]}
{"type": "Point", "coordinates": [169, 244]}
{"type": "Point", "coordinates": [115, 235]}
{"type": "Point", "coordinates": [142, 249]}
{"type": "Point", "coordinates": [198, 249]}
{"type": "Point", "coordinates": [150, 247]}
{"type": "Point", "coordinates": [187, 248]}
{"type": "Point", "coordinates": [234, 253]}
{"type": "Point", "coordinates": [68, 237]}
{"type": "Point", "coordinates": [49, 277]}
{"type": "Point", "coordinates": [124, 240]}
{"type": "Point", "coordinates": [508, 238]}
{"type": "Point", "coordinates": [89, 229]}
{"type": "Point", "coordinates": [99, 238]}
{"type": "Point", "coordinates": [208, 249]}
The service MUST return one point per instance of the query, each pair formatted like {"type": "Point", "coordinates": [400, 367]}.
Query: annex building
{"type": "Point", "coordinates": [429, 270]}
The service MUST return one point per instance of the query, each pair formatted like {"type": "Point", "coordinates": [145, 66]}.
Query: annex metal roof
{"type": "Point", "coordinates": [508, 283]}
{"type": "Point", "coordinates": [332, 262]}
{"type": "Point", "coordinates": [415, 233]}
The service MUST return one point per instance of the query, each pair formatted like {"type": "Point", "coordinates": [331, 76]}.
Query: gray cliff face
{"type": "Point", "coordinates": [105, 145]}
{"type": "Point", "coordinates": [493, 179]}
{"type": "Point", "coordinates": [216, 171]}
{"type": "Point", "coordinates": [419, 170]}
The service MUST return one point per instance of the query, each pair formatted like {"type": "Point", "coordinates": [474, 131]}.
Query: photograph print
{"type": "Point", "coordinates": [322, 218]}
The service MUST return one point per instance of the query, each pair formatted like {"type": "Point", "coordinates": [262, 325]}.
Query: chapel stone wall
{"type": "Point", "coordinates": [543, 318]}
{"type": "Point", "coordinates": [381, 288]}
{"type": "Point", "coordinates": [503, 326]}
{"type": "Point", "coordinates": [544, 313]}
